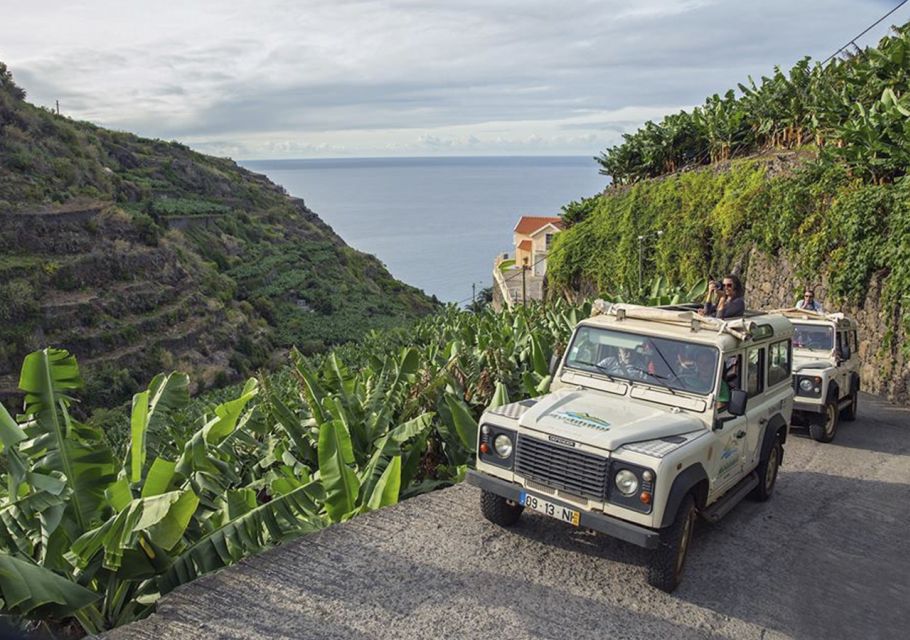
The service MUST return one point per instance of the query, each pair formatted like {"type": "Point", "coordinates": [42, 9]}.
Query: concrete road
{"type": "Point", "coordinates": [827, 557]}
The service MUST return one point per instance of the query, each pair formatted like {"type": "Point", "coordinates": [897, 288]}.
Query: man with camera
{"type": "Point", "coordinates": [809, 303]}
{"type": "Point", "coordinates": [730, 302]}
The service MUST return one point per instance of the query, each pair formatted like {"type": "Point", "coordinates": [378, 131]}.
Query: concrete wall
{"type": "Point", "coordinates": [771, 282]}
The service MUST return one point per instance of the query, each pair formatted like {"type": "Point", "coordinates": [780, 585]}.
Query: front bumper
{"type": "Point", "coordinates": [614, 527]}
{"type": "Point", "coordinates": [808, 407]}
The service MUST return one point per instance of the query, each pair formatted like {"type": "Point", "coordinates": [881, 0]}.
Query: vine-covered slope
{"type": "Point", "coordinates": [825, 192]}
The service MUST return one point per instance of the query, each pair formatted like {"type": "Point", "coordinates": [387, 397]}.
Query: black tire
{"type": "Point", "coordinates": [498, 510]}
{"type": "Point", "coordinates": [767, 469]}
{"type": "Point", "coordinates": [849, 412]}
{"type": "Point", "coordinates": [669, 559]}
{"type": "Point", "coordinates": [825, 429]}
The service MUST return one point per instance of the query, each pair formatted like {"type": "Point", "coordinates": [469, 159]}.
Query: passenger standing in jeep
{"type": "Point", "coordinates": [731, 303]}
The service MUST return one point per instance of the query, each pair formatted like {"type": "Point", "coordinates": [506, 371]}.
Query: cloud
{"type": "Point", "coordinates": [275, 78]}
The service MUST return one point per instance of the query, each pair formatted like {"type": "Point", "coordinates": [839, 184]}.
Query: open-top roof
{"type": "Point", "coordinates": [683, 322]}
{"type": "Point", "coordinates": [793, 314]}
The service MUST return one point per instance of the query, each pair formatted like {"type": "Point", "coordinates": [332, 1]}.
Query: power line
{"type": "Point", "coordinates": [864, 32]}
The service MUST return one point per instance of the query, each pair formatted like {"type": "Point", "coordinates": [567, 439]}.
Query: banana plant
{"type": "Point", "coordinates": [100, 540]}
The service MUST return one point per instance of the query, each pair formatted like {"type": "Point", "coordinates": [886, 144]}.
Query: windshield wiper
{"type": "Point", "coordinates": [599, 368]}
{"type": "Point", "coordinates": [660, 379]}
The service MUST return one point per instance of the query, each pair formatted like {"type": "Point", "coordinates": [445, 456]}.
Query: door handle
{"type": "Point", "coordinates": [740, 435]}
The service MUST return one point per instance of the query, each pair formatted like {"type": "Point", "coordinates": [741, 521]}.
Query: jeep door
{"type": "Point", "coordinates": [769, 391]}
{"type": "Point", "coordinates": [759, 407]}
{"type": "Point", "coordinates": [847, 359]}
{"type": "Point", "coordinates": [725, 459]}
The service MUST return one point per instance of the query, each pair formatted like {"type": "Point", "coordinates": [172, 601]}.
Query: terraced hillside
{"type": "Point", "coordinates": [141, 255]}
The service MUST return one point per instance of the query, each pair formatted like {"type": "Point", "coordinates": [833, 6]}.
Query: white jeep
{"type": "Point", "coordinates": [825, 370]}
{"type": "Point", "coordinates": [656, 415]}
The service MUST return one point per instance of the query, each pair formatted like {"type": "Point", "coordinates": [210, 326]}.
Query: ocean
{"type": "Point", "coordinates": [436, 223]}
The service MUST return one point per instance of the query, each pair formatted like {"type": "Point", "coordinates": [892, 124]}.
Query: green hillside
{"type": "Point", "coordinates": [139, 255]}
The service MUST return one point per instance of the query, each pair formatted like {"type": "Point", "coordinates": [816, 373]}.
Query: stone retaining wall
{"type": "Point", "coordinates": [771, 282]}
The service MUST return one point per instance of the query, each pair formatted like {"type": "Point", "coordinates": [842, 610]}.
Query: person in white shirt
{"type": "Point", "coordinates": [809, 303]}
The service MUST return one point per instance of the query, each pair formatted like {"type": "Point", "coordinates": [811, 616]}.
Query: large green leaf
{"type": "Point", "coordinates": [11, 433]}
{"type": "Point", "coordinates": [166, 394]}
{"type": "Point", "coordinates": [58, 443]}
{"type": "Point", "coordinates": [390, 445]}
{"type": "Point", "coordinates": [29, 589]}
{"type": "Point", "coordinates": [385, 492]}
{"type": "Point", "coordinates": [339, 480]}
{"type": "Point", "coordinates": [283, 517]}
{"type": "Point", "coordinates": [464, 423]}
{"type": "Point", "coordinates": [228, 413]}
{"type": "Point", "coordinates": [162, 519]}
{"type": "Point", "coordinates": [202, 460]}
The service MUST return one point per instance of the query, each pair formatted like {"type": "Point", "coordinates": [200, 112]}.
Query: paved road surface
{"type": "Point", "coordinates": [827, 557]}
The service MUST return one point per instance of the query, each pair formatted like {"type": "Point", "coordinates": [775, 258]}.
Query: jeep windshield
{"type": "Point", "coordinates": [817, 337]}
{"type": "Point", "coordinates": [663, 362]}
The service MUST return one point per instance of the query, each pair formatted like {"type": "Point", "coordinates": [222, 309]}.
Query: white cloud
{"type": "Point", "coordinates": [278, 78]}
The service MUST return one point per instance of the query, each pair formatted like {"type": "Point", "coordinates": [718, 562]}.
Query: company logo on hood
{"type": "Point", "coordinates": [579, 419]}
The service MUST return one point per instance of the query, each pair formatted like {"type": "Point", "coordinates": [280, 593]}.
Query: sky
{"type": "Point", "coordinates": [337, 78]}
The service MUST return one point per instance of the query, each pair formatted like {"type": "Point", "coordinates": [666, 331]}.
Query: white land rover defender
{"type": "Point", "coordinates": [656, 415]}
{"type": "Point", "coordinates": [825, 370]}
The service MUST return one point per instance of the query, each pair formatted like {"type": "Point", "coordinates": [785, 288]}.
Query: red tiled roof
{"type": "Point", "coordinates": [524, 245]}
{"type": "Point", "coordinates": [530, 224]}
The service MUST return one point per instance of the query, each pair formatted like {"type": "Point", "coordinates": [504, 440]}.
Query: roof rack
{"type": "Point", "coordinates": [807, 314]}
{"type": "Point", "coordinates": [739, 328]}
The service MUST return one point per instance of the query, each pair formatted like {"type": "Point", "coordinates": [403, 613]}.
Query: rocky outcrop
{"type": "Point", "coordinates": [771, 282]}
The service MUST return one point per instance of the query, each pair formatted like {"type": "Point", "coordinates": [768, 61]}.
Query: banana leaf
{"type": "Point", "coordinates": [29, 589]}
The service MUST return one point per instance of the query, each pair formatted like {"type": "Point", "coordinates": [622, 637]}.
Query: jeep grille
{"type": "Point", "coordinates": [560, 467]}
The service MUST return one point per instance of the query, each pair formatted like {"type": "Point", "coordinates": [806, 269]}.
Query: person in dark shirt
{"type": "Point", "coordinates": [731, 303]}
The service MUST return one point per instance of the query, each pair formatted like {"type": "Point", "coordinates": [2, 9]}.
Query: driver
{"type": "Point", "coordinates": [625, 363]}
{"type": "Point", "coordinates": [694, 368]}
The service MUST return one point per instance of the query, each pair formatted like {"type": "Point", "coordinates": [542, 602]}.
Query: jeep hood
{"type": "Point", "coordinates": [811, 360]}
{"type": "Point", "coordinates": [602, 420]}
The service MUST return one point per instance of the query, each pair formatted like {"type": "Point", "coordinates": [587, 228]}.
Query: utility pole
{"type": "Point", "coordinates": [641, 258]}
{"type": "Point", "coordinates": [58, 107]}
{"type": "Point", "coordinates": [524, 286]}
{"type": "Point", "coordinates": [473, 295]}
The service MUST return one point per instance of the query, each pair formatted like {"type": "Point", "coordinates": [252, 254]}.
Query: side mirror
{"type": "Point", "coordinates": [737, 404]}
{"type": "Point", "coordinates": [554, 363]}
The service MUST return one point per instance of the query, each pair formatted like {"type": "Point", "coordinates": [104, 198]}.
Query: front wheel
{"type": "Point", "coordinates": [498, 510]}
{"type": "Point", "coordinates": [665, 570]}
{"type": "Point", "coordinates": [824, 431]}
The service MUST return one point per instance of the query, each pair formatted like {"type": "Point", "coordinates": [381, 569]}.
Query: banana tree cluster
{"type": "Point", "coordinates": [856, 109]}
{"type": "Point", "coordinates": [99, 535]}
{"type": "Point", "coordinates": [84, 534]}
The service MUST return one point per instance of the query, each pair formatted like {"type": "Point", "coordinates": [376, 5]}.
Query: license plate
{"type": "Point", "coordinates": [550, 509]}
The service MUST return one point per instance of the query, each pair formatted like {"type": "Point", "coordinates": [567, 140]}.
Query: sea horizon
{"type": "Point", "coordinates": [436, 222]}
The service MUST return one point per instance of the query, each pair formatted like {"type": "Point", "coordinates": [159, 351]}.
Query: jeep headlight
{"type": "Point", "coordinates": [626, 482]}
{"type": "Point", "coordinates": [502, 445]}
{"type": "Point", "coordinates": [809, 386]}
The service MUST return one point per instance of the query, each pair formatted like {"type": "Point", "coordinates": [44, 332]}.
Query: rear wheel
{"type": "Point", "coordinates": [668, 560]}
{"type": "Point", "coordinates": [767, 471]}
{"type": "Point", "coordinates": [849, 413]}
{"type": "Point", "coordinates": [498, 510]}
{"type": "Point", "coordinates": [824, 431]}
